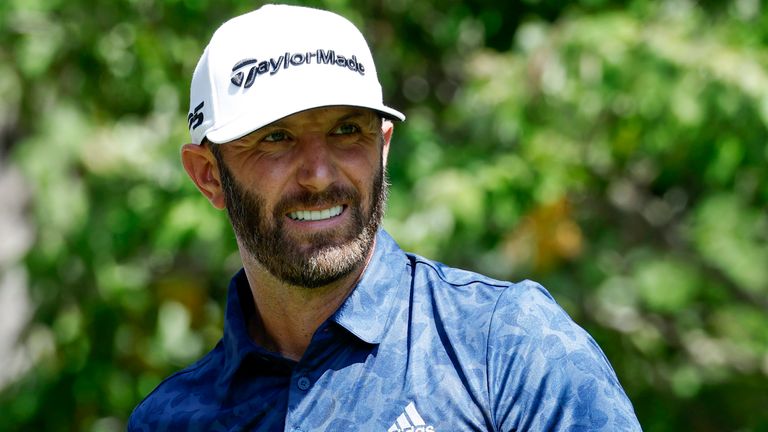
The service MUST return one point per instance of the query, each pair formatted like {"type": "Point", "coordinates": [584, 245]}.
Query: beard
{"type": "Point", "coordinates": [330, 256]}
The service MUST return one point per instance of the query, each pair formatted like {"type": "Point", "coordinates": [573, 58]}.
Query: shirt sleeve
{"type": "Point", "coordinates": [545, 373]}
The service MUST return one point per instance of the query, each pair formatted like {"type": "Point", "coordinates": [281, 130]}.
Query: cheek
{"type": "Point", "coordinates": [366, 178]}
{"type": "Point", "coordinates": [263, 178]}
{"type": "Point", "coordinates": [363, 162]}
{"type": "Point", "coordinates": [271, 185]}
{"type": "Point", "coordinates": [363, 174]}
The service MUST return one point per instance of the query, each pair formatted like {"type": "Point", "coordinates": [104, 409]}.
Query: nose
{"type": "Point", "coordinates": [316, 169]}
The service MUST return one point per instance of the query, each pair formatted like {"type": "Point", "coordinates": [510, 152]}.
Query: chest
{"type": "Point", "coordinates": [409, 383]}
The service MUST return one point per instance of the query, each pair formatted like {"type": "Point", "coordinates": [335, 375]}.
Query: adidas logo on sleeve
{"type": "Point", "coordinates": [410, 421]}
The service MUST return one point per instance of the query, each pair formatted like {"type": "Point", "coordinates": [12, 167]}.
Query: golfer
{"type": "Point", "coordinates": [329, 325]}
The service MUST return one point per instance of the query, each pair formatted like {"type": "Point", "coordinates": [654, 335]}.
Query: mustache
{"type": "Point", "coordinates": [330, 196]}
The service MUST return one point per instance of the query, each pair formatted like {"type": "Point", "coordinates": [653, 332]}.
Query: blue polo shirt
{"type": "Point", "coordinates": [418, 347]}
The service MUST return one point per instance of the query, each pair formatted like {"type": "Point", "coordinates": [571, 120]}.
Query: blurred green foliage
{"type": "Point", "coordinates": [614, 151]}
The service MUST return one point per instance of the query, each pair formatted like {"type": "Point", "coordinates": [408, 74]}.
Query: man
{"type": "Point", "coordinates": [329, 325]}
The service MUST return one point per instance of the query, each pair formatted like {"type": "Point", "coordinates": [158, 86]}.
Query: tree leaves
{"type": "Point", "coordinates": [615, 153]}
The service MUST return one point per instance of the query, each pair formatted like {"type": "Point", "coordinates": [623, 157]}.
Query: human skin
{"type": "Point", "coordinates": [311, 151]}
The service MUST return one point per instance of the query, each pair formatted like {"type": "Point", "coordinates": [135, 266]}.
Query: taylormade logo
{"type": "Point", "coordinates": [245, 71]}
{"type": "Point", "coordinates": [196, 117]}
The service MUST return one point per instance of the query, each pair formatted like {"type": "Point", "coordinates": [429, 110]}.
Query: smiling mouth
{"type": "Point", "coordinates": [316, 215]}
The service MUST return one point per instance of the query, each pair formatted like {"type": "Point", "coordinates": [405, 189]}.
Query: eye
{"type": "Point", "coordinates": [346, 129]}
{"type": "Point", "coordinates": [275, 136]}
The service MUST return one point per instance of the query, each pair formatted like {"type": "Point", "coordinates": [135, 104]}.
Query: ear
{"type": "Point", "coordinates": [386, 130]}
{"type": "Point", "coordinates": [202, 168]}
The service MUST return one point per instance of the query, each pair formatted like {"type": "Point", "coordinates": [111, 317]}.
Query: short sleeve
{"type": "Point", "coordinates": [545, 373]}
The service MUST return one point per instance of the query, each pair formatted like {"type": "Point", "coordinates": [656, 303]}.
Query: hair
{"type": "Point", "coordinates": [215, 149]}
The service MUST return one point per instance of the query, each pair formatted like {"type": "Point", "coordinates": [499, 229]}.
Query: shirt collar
{"type": "Point", "coordinates": [237, 341]}
{"type": "Point", "coordinates": [368, 309]}
{"type": "Point", "coordinates": [365, 313]}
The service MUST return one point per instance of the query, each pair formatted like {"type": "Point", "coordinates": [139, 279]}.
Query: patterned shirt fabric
{"type": "Point", "coordinates": [417, 346]}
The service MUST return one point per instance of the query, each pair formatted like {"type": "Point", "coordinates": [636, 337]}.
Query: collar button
{"type": "Point", "coordinates": [303, 383]}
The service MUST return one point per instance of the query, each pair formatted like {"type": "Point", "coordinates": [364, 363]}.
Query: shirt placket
{"type": "Point", "coordinates": [298, 395]}
{"type": "Point", "coordinates": [302, 385]}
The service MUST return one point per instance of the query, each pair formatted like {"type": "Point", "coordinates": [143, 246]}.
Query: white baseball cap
{"type": "Point", "coordinates": [276, 61]}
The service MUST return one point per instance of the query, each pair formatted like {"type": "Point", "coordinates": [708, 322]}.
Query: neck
{"type": "Point", "coordinates": [287, 316]}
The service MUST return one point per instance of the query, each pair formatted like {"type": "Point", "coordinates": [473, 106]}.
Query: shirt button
{"type": "Point", "coordinates": [303, 383]}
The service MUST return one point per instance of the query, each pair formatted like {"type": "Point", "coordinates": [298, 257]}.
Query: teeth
{"type": "Point", "coordinates": [315, 215]}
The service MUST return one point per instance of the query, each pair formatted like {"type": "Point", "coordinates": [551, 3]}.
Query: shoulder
{"type": "Point", "coordinates": [523, 315]}
{"type": "Point", "coordinates": [177, 393]}
{"type": "Point", "coordinates": [524, 310]}
{"type": "Point", "coordinates": [529, 327]}
{"type": "Point", "coordinates": [528, 310]}
{"type": "Point", "coordinates": [524, 304]}
{"type": "Point", "coordinates": [463, 285]}
{"type": "Point", "coordinates": [551, 368]}
{"type": "Point", "coordinates": [454, 296]}
{"type": "Point", "coordinates": [508, 319]}
{"type": "Point", "coordinates": [542, 370]}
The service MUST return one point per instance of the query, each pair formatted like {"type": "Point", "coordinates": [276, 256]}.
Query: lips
{"type": "Point", "coordinates": [316, 215]}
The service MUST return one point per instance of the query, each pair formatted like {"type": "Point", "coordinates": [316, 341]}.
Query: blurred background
{"type": "Point", "coordinates": [615, 151]}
